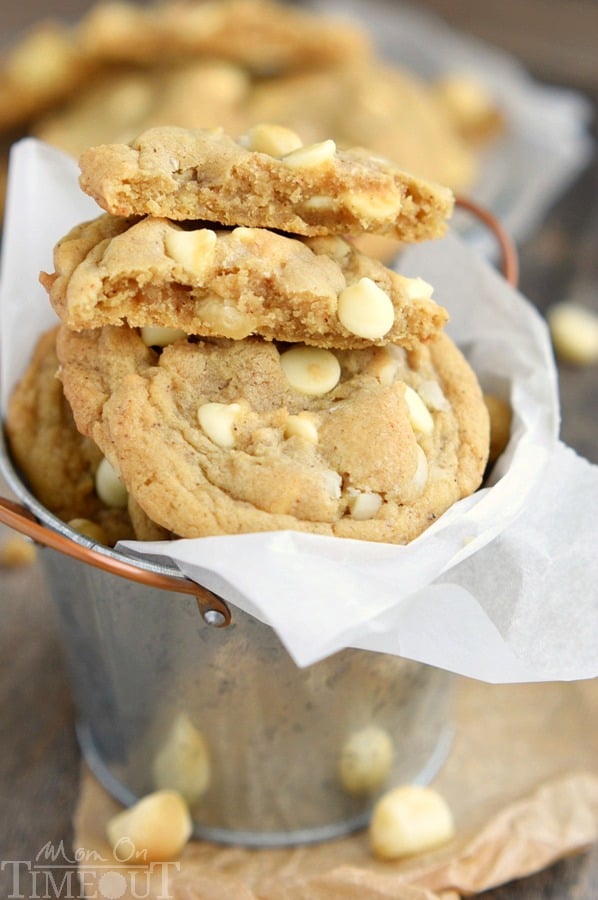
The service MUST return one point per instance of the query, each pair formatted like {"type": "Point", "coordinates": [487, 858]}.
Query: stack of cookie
{"type": "Point", "coordinates": [239, 363]}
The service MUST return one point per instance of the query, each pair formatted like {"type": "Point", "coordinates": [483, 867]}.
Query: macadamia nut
{"type": "Point", "coordinates": [366, 760]}
{"type": "Point", "coordinates": [183, 762]}
{"type": "Point", "coordinates": [155, 829]}
{"type": "Point", "coordinates": [574, 331]}
{"type": "Point", "coordinates": [409, 819]}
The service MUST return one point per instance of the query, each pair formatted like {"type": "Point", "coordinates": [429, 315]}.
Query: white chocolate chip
{"type": "Point", "coordinates": [218, 420]}
{"type": "Point", "coordinates": [421, 473]}
{"type": "Point", "coordinates": [319, 201]}
{"type": "Point", "coordinates": [366, 760]}
{"type": "Point", "coordinates": [160, 336]}
{"type": "Point", "coordinates": [155, 829]}
{"type": "Point", "coordinates": [312, 156]}
{"type": "Point", "coordinates": [311, 370]}
{"type": "Point", "coordinates": [384, 366]}
{"type": "Point", "coordinates": [227, 321]}
{"type": "Point", "coordinates": [183, 762]}
{"type": "Point", "coordinates": [275, 140]}
{"type": "Point", "coordinates": [365, 309]}
{"type": "Point", "coordinates": [372, 207]}
{"type": "Point", "coordinates": [334, 484]}
{"type": "Point", "coordinates": [302, 425]}
{"type": "Point", "coordinates": [419, 414]}
{"type": "Point", "coordinates": [193, 250]}
{"type": "Point", "coordinates": [363, 504]}
{"type": "Point", "coordinates": [432, 395]}
{"type": "Point", "coordinates": [574, 331]}
{"type": "Point", "coordinates": [109, 487]}
{"type": "Point", "coordinates": [89, 529]}
{"type": "Point", "coordinates": [409, 819]}
{"type": "Point", "coordinates": [416, 288]}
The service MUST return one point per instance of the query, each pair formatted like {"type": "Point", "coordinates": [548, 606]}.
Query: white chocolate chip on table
{"type": "Point", "coordinates": [409, 819]}
{"type": "Point", "coordinates": [155, 829]}
{"type": "Point", "coordinates": [574, 331]}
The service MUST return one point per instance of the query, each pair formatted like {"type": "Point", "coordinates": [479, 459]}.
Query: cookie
{"type": "Point", "coordinates": [57, 462]}
{"type": "Point", "coordinates": [223, 436]}
{"type": "Point", "coordinates": [309, 190]}
{"type": "Point", "coordinates": [39, 71]}
{"type": "Point", "coordinates": [261, 35]}
{"type": "Point", "coordinates": [123, 102]}
{"type": "Point", "coordinates": [234, 283]}
{"type": "Point", "coordinates": [370, 104]}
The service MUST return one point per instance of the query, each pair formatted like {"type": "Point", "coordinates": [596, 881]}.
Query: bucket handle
{"type": "Point", "coordinates": [509, 262]}
{"type": "Point", "coordinates": [213, 609]}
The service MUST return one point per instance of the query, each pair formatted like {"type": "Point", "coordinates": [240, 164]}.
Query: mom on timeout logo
{"type": "Point", "coordinates": [87, 875]}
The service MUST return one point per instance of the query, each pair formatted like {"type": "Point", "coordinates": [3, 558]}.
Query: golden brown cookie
{"type": "Point", "coordinates": [311, 190]}
{"type": "Point", "coordinates": [220, 436]}
{"type": "Point", "coordinates": [57, 462]}
{"type": "Point", "coordinates": [262, 35]}
{"type": "Point", "coordinates": [233, 283]}
{"type": "Point", "coordinates": [370, 104]}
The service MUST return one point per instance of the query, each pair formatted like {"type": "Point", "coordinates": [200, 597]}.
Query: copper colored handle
{"type": "Point", "coordinates": [213, 609]}
{"type": "Point", "coordinates": [509, 258]}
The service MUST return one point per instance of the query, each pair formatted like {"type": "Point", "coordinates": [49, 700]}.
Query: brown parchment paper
{"type": "Point", "coordinates": [521, 779]}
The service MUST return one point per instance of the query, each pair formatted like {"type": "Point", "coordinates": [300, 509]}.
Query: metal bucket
{"type": "Point", "coordinates": [273, 737]}
{"type": "Point", "coordinates": [142, 659]}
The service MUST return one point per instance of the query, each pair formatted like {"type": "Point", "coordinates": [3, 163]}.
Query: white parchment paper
{"type": "Point", "coordinates": [502, 587]}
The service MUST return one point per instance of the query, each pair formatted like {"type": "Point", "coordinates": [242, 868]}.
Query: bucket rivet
{"type": "Point", "coordinates": [213, 617]}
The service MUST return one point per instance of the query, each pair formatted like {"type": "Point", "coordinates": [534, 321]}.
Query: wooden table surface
{"type": "Point", "coordinates": [39, 758]}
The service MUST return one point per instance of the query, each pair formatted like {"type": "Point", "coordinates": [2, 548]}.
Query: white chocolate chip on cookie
{"type": "Point", "coordinates": [419, 414]}
{"type": "Point", "coordinates": [363, 504]}
{"type": "Point", "coordinates": [421, 473]}
{"type": "Point", "coordinates": [275, 140]}
{"type": "Point", "coordinates": [365, 309]}
{"type": "Point", "coordinates": [109, 487]}
{"type": "Point", "coordinates": [193, 250]}
{"type": "Point", "coordinates": [416, 288]}
{"type": "Point", "coordinates": [302, 425]}
{"type": "Point", "coordinates": [311, 156]}
{"type": "Point", "coordinates": [363, 205]}
{"type": "Point", "coordinates": [311, 370]}
{"type": "Point", "coordinates": [218, 420]}
{"type": "Point", "coordinates": [159, 336]}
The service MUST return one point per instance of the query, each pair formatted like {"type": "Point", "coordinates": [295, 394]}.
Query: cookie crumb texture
{"type": "Point", "coordinates": [188, 174]}
{"type": "Point", "coordinates": [211, 437]}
